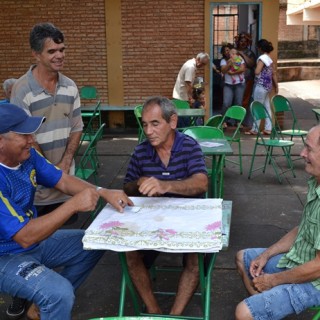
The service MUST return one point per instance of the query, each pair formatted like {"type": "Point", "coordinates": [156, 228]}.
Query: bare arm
{"type": "Point", "coordinates": [250, 62]}
{"type": "Point", "coordinates": [189, 90]}
{"type": "Point", "coordinates": [259, 67]}
{"type": "Point", "coordinates": [281, 246]}
{"type": "Point", "coordinates": [150, 186]}
{"type": "Point", "coordinates": [241, 69]}
{"type": "Point", "coordinates": [306, 272]}
{"type": "Point", "coordinates": [85, 197]}
{"type": "Point", "coordinates": [71, 148]}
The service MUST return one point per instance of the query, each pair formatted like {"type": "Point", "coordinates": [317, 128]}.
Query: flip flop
{"type": "Point", "coordinates": [250, 132]}
{"type": "Point", "coordinates": [267, 132]}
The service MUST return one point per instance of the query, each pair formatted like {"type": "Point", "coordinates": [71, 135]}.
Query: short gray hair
{"type": "Point", "coordinates": [202, 56]}
{"type": "Point", "coordinates": [8, 83]}
{"type": "Point", "coordinates": [166, 105]}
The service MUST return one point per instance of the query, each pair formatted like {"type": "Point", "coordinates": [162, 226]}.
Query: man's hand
{"type": "Point", "coordinates": [152, 187]}
{"type": "Point", "coordinates": [263, 282]}
{"type": "Point", "coordinates": [86, 200]}
{"type": "Point", "coordinates": [117, 198]}
{"type": "Point", "coordinates": [257, 265]}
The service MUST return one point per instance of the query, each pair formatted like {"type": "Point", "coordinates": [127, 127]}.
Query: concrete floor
{"type": "Point", "coordinates": [263, 211]}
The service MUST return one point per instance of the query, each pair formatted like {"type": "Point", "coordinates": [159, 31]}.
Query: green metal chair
{"type": "Point", "coordinates": [90, 94]}
{"type": "Point", "coordinates": [87, 167]}
{"type": "Point", "coordinates": [208, 133]}
{"type": "Point", "coordinates": [274, 141]}
{"type": "Point", "coordinates": [214, 121]}
{"type": "Point", "coordinates": [317, 315]}
{"type": "Point", "coordinates": [238, 114]}
{"type": "Point", "coordinates": [282, 104]}
{"type": "Point", "coordinates": [138, 115]}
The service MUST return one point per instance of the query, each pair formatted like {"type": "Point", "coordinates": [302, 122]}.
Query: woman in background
{"type": "Point", "coordinates": [265, 80]}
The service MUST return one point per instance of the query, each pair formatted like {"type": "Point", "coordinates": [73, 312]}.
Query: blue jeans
{"type": "Point", "coordinates": [282, 300]}
{"type": "Point", "coordinates": [232, 95]}
{"type": "Point", "coordinates": [30, 275]}
{"type": "Point", "coordinates": [262, 95]}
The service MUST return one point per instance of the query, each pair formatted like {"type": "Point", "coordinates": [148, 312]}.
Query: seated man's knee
{"type": "Point", "coordinates": [242, 312]}
{"type": "Point", "coordinates": [239, 260]}
{"type": "Point", "coordinates": [57, 295]}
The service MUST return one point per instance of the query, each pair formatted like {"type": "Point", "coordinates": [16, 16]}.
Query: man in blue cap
{"type": "Point", "coordinates": [32, 247]}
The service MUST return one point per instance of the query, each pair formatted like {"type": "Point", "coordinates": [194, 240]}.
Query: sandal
{"type": "Point", "coordinates": [250, 132]}
{"type": "Point", "coordinates": [267, 132]}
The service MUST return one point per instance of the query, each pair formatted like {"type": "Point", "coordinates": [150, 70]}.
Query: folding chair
{"type": "Point", "coordinates": [88, 164]}
{"type": "Point", "coordinates": [274, 141]}
{"type": "Point", "coordinates": [317, 315]}
{"type": "Point", "coordinates": [214, 121]}
{"type": "Point", "coordinates": [138, 115]}
{"type": "Point", "coordinates": [90, 94]}
{"type": "Point", "coordinates": [238, 114]}
{"type": "Point", "coordinates": [216, 170]}
{"type": "Point", "coordinates": [282, 104]}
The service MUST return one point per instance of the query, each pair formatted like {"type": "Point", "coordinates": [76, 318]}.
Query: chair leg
{"type": "Point", "coordinates": [252, 161]}
{"type": "Point", "coordinates": [240, 156]}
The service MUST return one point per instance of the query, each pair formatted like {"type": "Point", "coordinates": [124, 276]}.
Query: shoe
{"type": "Point", "coordinates": [267, 132]}
{"type": "Point", "coordinates": [17, 308]}
{"type": "Point", "coordinates": [33, 313]}
{"type": "Point", "coordinates": [250, 132]}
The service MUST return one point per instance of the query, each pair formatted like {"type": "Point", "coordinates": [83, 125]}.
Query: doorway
{"type": "Point", "coordinates": [227, 21]}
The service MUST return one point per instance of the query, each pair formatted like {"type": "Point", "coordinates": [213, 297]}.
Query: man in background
{"type": "Point", "coordinates": [7, 88]}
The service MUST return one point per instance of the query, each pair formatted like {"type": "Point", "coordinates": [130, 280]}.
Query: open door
{"type": "Point", "coordinates": [227, 21]}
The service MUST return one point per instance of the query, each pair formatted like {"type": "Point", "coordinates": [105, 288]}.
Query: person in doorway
{"type": "Point", "coordinates": [265, 80]}
{"type": "Point", "coordinates": [234, 82]}
{"type": "Point", "coordinates": [162, 166]}
{"type": "Point", "coordinates": [243, 42]}
{"type": "Point", "coordinates": [45, 91]}
{"type": "Point", "coordinates": [285, 278]}
{"type": "Point", "coordinates": [32, 247]}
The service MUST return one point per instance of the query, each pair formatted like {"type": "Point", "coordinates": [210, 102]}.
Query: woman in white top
{"type": "Point", "coordinates": [265, 79]}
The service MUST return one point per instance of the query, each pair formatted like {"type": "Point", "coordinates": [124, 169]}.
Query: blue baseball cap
{"type": "Point", "coordinates": [15, 119]}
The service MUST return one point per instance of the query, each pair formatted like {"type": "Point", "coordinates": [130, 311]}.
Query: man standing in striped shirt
{"type": "Point", "coordinates": [168, 163]}
{"type": "Point", "coordinates": [285, 278]}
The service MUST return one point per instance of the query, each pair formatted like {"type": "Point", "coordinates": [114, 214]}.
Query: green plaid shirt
{"type": "Point", "coordinates": [307, 242]}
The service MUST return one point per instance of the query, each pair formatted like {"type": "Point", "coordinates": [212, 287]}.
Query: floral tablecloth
{"type": "Point", "coordinates": [162, 224]}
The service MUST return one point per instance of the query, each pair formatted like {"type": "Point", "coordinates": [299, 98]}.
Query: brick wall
{"type": "Point", "coordinates": [158, 37]}
{"type": "Point", "coordinates": [83, 24]}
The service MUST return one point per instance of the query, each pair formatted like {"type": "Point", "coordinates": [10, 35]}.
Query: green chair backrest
{"type": "Point", "coordinates": [236, 112]}
{"type": "Point", "coordinates": [214, 121]}
{"type": "Point", "coordinates": [181, 104]}
{"type": "Point", "coordinates": [204, 132]}
{"type": "Point", "coordinates": [138, 115]}
{"type": "Point", "coordinates": [90, 129]}
{"type": "Point", "coordinates": [281, 104]}
{"type": "Point", "coordinates": [89, 92]}
{"type": "Point", "coordinates": [258, 110]}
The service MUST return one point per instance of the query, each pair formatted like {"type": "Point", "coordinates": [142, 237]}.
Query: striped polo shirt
{"type": "Point", "coordinates": [307, 242]}
{"type": "Point", "coordinates": [186, 159]}
{"type": "Point", "coordinates": [63, 116]}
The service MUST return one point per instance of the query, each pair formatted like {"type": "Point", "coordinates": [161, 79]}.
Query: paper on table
{"type": "Point", "coordinates": [210, 144]}
{"type": "Point", "coordinates": [164, 224]}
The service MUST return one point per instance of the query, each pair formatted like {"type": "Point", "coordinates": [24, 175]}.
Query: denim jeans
{"type": "Point", "coordinates": [262, 95]}
{"type": "Point", "coordinates": [30, 275]}
{"type": "Point", "coordinates": [232, 95]}
{"type": "Point", "coordinates": [282, 300]}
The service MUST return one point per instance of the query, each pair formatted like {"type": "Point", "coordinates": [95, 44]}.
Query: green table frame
{"type": "Point", "coordinates": [206, 266]}
{"type": "Point", "coordinates": [217, 164]}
